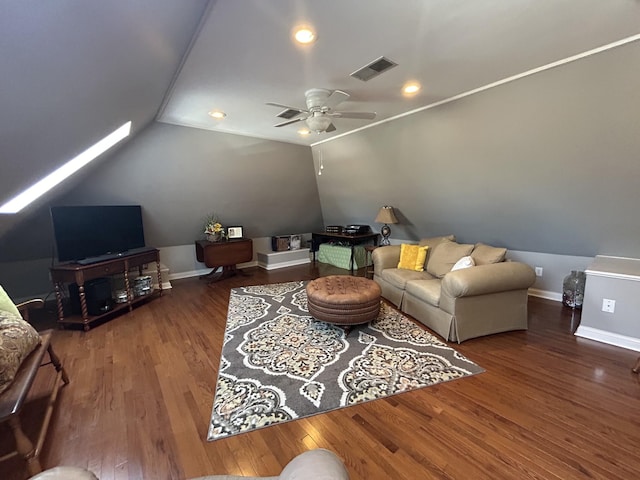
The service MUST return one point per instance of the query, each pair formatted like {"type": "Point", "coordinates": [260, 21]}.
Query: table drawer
{"type": "Point", "coordinates": [103, 270]}
{"type": "Point", "coordinates": [148, 257]}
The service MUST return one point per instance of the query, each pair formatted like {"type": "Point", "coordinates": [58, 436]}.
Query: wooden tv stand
{"type": "Point", "coordinates": [74, 272]}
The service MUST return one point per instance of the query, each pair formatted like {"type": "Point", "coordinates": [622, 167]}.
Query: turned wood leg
{"type": "Point", "coordinates": [56, 363]}
{"type": "Point", "coordinates": [83, 306]}
{"type": "Point", "coordinates": [636, 368]}
{"type": "Point", "coordinates": [24, 446]}
{"type": "Point", "coordinates": [159, 275]}
{"type": "Point", "coordinates": [59, 303]}
{"type": "Point", "coordinates": [127, 285]}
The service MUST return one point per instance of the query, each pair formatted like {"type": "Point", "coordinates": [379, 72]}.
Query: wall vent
{"type": "Point", "coordinates": [373, 69]}
{"type": "Point", "coordinates": [289, 113]}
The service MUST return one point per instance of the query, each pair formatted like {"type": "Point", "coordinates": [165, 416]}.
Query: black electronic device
{"type": "Point", "coordinates": [82, 232]}
{"type": "Point", "coordinates": [97, 294]}
{"type": "Point", "coordinates": [333, 229]}
{"type": "Point", "coordinates": [357, 229]}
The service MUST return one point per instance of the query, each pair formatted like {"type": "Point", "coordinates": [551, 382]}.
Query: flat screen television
{"type": "Point", "coordinates": [82, 232]}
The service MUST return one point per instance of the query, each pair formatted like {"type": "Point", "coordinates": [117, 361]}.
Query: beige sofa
{"type": "Point", "coordinates": [487, 298]}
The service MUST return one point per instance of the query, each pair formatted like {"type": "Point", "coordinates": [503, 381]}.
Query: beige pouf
{"type": "Point", "coordinates": [343, 300]}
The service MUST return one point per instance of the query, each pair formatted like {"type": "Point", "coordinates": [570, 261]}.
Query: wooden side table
{"type": "Point", "coordinates": [369, 259]}
{"type": "Point", "coordinates": [225, 254]}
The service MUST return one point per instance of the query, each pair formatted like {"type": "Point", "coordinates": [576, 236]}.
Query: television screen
{"type": "Point", "coordinates": [90, 231]}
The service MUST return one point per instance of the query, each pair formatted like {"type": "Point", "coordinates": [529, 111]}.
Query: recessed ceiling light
{"type": "Point", "coordinates": [411, 88]}
{"type": "Point", "coordinates": [304, 35]}
{"type": "Point", "coordinates": [304, 131]}
{"type": "Point", "coordinates": [217, 114]}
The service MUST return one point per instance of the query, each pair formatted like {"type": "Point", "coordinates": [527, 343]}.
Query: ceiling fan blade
{"type": "Point", "coordinates": [331, 128]}
{"type": "Point", "coordinates": [362, 115]}
{"type": "Point", "coordinates": [286, 106]}
{"type": "Point", "coordinates": [289, 122]}
{"type": "Point", "coordinates": [336, 97]}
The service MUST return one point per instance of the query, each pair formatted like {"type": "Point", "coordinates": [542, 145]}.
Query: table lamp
{"type": "Point", "coordinates": [386, 216]}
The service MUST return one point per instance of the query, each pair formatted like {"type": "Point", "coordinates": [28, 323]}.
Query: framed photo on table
{"type": "Point", "coordinates": [234, 232]}
{"type": "Point", "coordinates": [295, 242]}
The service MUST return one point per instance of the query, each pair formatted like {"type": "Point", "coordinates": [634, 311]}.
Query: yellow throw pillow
{"type": "Point", "coordinates": [412, 257]}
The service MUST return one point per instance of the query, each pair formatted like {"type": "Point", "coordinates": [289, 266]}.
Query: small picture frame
{"type": "Point", "coordinates": [295, 242]}
{"type": "Point", "coordinates": [234, 232]}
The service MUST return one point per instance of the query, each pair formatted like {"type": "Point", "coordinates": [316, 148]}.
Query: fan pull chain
{"type": "Point", "coordinates": [321, 164]}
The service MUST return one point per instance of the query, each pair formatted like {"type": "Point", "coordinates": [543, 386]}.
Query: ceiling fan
{"type": "Point", "coordinates": [320, 112]}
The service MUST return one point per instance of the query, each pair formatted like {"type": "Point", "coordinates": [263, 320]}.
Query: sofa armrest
{"type": "Point", "coordinates": [385, 257]}
{"type": "Point", "coordinates": [492, 278]}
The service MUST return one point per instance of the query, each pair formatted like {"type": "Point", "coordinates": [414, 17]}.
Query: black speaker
{"type": "Point", "coordinates": [97, 294]}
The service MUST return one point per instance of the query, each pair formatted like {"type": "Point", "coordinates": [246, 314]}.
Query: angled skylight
{"type": "Point", "coordinates": [54, 178]}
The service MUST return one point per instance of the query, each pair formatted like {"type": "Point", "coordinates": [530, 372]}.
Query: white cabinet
{"type": "Point", "coordinates": [612, 302]}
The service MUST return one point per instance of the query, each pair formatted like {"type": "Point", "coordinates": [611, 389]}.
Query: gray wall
{"type": "Point", "coordinates": [548, 163]}
{"type": "Point", "coordinates": [72, 72]}
{"type": "Point", "coordinates": [179, 175]}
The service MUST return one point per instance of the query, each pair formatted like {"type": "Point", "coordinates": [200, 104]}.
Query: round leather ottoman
{"type": "Point", "coordinates": [343, 299]}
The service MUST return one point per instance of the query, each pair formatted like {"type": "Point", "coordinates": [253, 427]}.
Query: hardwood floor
{"type": "Point", "coordinates": [549, 406]}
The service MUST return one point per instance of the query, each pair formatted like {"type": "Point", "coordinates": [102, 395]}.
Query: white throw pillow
{"type": "Point", "coordinates": [464, 262]}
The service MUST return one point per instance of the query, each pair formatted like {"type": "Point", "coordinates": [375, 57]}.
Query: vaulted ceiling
{"type": "Point", "coordinates": [74, 71]}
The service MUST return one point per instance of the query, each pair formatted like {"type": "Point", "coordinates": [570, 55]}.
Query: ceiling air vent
{"type": "Point", "coordinates": [288, 113]}
{"type": "Point", "coordinates": [375, 68]}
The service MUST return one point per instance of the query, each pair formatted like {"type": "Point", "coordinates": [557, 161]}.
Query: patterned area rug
{"type": "Point", "coordinates": [279, 364]}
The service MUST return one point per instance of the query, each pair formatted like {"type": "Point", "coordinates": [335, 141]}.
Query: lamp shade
{"type": "Point", "coordinates": [386, 215]}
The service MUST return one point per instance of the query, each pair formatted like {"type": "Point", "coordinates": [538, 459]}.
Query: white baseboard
{"type": "Point", "coordinates": [610, 338]}
{"type": "Point", "coordinates": [205, 271]}
{"type": "Point", "coordinates": [189, 274]}
{"type": "Point", "coordinates": [549, 295]}
{"type": "Point", "coordinates": [165, 285]}
{"type": "Point", "coordinates": [291, 263]}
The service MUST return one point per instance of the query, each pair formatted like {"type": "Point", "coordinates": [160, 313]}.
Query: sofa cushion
{"type": "Point", "coordinates": [484, 254]}
{"type": "Point", "coordinates": [431, 242]}
{"type": "Point", "coordinates": [412, 257]}
{"type": "Point", "coordinates": [6, 304]}
{"type": "Point", "coordinates": [425, 290]}
{"type": "Point", "coordinates": [444, 257]}
{"type": "Point", "coordinates": [464, 262]}
{"type": "Point", "coordinates": [17, 340]}
{"type": "Point", "coordinates": [398, 277]}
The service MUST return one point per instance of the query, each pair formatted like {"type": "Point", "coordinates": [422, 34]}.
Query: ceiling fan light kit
{"type": "Point", "coordinates": [318, 123]}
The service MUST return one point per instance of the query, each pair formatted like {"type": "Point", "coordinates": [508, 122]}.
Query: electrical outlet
{"type": "Point", "coordinates": [608, 305]}
{"type": "Point", "coordinates": [538, 271]}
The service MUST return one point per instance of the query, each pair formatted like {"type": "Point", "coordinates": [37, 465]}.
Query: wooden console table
{"type": "Point", "coordinates": [320, 237]}
{"type": "Point", "coordinates": [226, 254]}
{"type": "Point", "coordinates": [74, 272]}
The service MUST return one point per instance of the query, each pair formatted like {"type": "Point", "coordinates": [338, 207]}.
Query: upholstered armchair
{"type": "Point", "coordinates": [316, 464]}
{"type": "Point", "coordinates": [22, 354]}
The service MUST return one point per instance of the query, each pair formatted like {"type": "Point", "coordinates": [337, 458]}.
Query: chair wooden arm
{"type": "Point", "coordinates": [24, 307]}
{"type": "Point", "coordinates": [14, 397]}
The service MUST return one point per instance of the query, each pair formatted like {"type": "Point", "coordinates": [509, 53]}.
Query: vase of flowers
{"type": "Point", "coordinates": [213, 229]}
